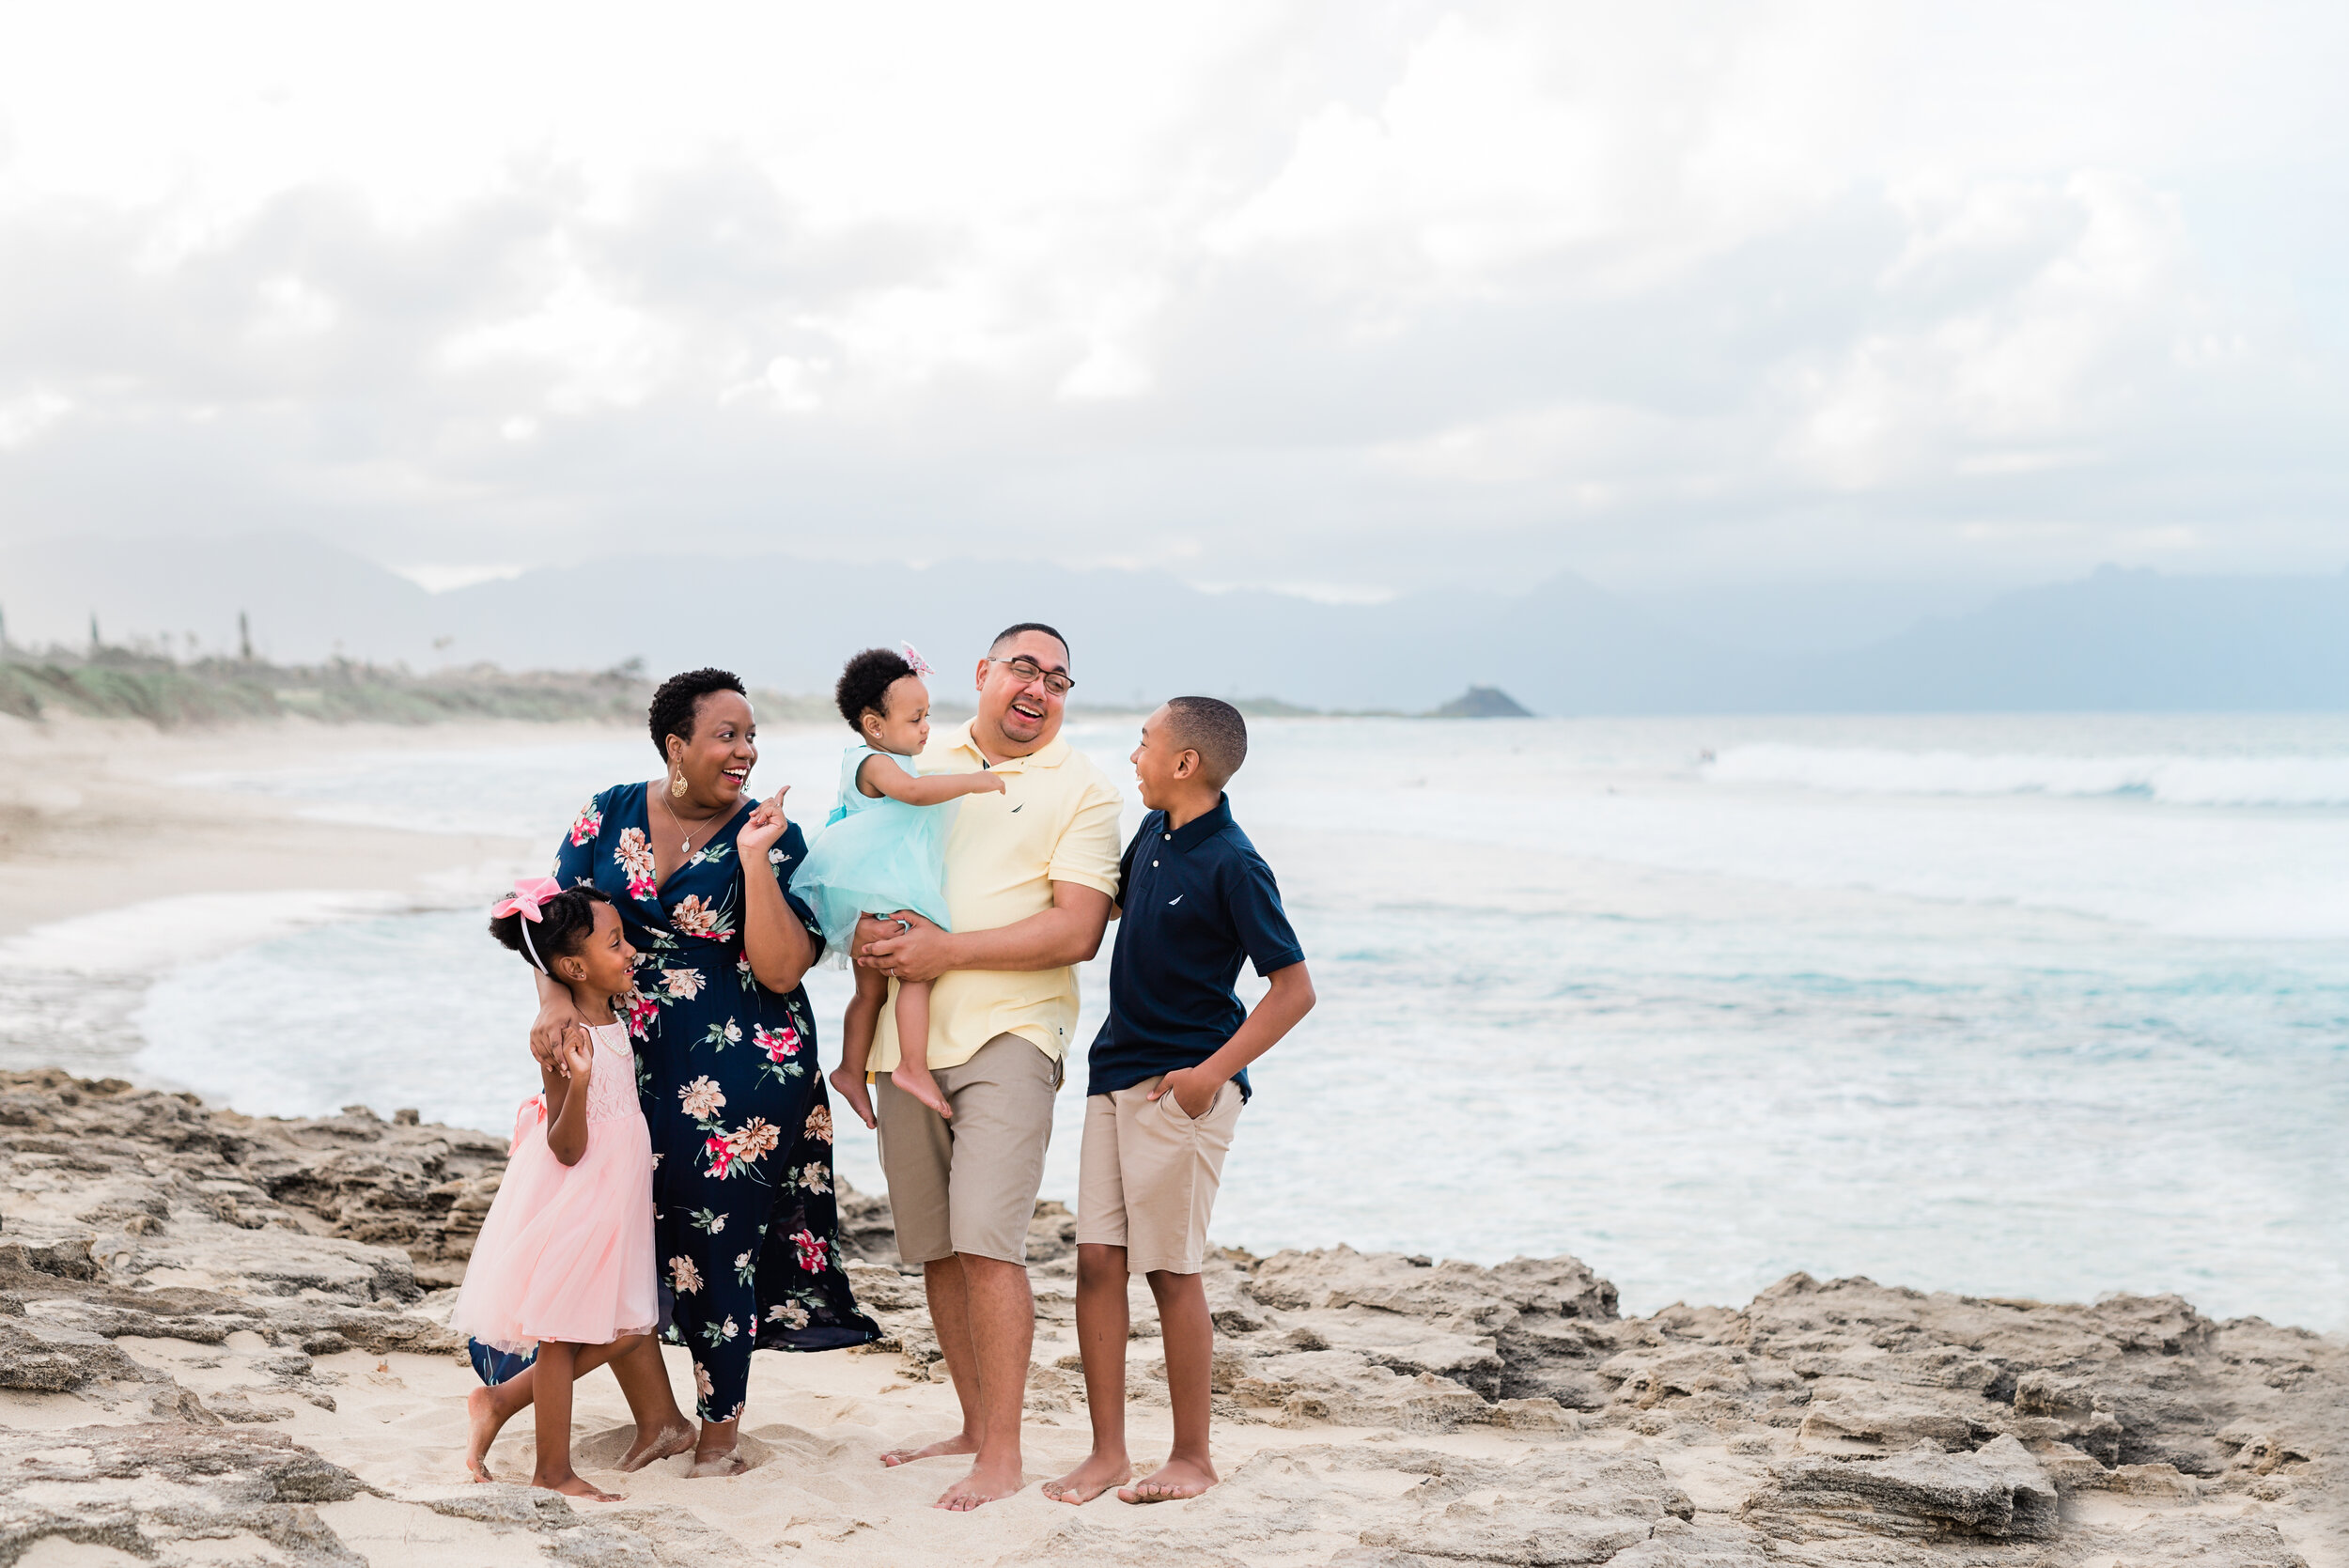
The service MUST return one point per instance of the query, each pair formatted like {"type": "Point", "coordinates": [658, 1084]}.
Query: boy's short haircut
{"type": "Point", "coordinates": [1214, 729]}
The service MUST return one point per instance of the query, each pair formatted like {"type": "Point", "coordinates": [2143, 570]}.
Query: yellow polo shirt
{"type": "Point", "coordinates": [1056, 821]}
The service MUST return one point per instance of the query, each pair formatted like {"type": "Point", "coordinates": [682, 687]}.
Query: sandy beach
{"type": "Point", "coordinates": [223, 1340]}
{"type": "Point", "coordinates": [91, 819]}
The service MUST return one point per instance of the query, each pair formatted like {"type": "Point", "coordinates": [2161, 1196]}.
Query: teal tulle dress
{"type": "Point", "coordinates": [875, 856]}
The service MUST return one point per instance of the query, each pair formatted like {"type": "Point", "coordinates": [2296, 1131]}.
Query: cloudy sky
{"type": "Point", "coordinates": [1346, 298]}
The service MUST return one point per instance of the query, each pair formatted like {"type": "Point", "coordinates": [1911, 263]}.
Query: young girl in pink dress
{"type": "Point", "coordinates": [565, 1260]}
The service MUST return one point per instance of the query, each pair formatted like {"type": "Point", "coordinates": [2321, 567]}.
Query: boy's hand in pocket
{"type": "Point", "coordinates": [1193, 1090]}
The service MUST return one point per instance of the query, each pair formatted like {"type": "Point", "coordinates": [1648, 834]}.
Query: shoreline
{"type": "Point", "coordinates": [222, 1334]}
{"type": "Point", "coordinates": [92, 817]}
{"type": "Point", "coordinates": [250, 876]}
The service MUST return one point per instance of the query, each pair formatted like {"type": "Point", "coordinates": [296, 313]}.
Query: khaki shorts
{"type": "Point", "coordinates": [969, 1185]}
{"type": "Point", "coordinates": [1147, 1176]}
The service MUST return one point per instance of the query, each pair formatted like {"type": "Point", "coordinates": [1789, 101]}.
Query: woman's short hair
{"type": "Point", "coordinates": [564, 924]}
{"type": "Point", "coordinates": [679, 700]}
{"type": "Point", "coordinates": [864, 684]}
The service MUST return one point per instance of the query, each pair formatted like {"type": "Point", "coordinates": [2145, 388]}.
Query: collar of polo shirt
{"type": "Point", "coordinates": [1201, 827]}
{"type": "Point", "coordinates": [1052, 754]}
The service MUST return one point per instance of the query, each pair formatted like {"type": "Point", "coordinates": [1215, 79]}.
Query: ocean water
{"type": "Point", "coordinates": [2024, 1006]}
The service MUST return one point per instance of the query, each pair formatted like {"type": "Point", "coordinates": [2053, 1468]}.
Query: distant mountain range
{"type": "Point", "coordinates": [2114, 640]}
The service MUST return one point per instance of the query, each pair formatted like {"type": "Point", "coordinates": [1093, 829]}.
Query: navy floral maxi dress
{"type": "Point", "coordinates": [746, 1224]}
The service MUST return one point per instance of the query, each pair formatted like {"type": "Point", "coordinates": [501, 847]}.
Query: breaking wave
{"type": "Point", "coordinates": [2172, 780]}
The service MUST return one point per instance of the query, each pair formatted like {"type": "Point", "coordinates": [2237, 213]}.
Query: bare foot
{"type": "Point", "coordinates": [1172, 1481]}
{"type": "Point", "coordinates": [482, 1421]}
{"type": "Point", "coordinates": [1088, 1481]}
{"type": "Point", "coordinates": [962, 1442]}
{"type": "Point", "coordinates": [578, 1486]}
{"type": "Point", "coordinates": [852, 1089]}
{"type": "Point", "coordinates": [661, 1445]}
{"type": "Point", "coordinates": [723, 1462]}
{"type": "Point", "coordinates": [984, 1484]}
{"type": "Point", "coordinates": [918, 1083]}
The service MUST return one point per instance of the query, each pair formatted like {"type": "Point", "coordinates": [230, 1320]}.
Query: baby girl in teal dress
{"type": "Point", "coordinates": [882, 852]}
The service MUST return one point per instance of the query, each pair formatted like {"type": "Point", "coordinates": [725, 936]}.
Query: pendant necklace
{"type": "Point", "coordinates": [686, 848]}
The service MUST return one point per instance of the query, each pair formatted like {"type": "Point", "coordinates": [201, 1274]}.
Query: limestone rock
{"type": "Point", "coordinates": [2171, 1540]}
{"type": "Point", "coordinates": [51, 1360]}
{"type": "Point", "coordinates": [1825, 1424]}
{"type": "Point", "coordinates": [610, 1538]}
{"type": "Point", "coordinates": [1349, 1389]}
{"type": "Point", "coordinates": [1694, 1546]}
{"type": "Point", "coordinates": [2000, 1491]}
{"type": "Point", "coordinates": [168, 1492]}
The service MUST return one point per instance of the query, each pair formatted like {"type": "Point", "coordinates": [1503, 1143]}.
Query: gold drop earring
{"type": "Point", "coordinates": [676, 785]}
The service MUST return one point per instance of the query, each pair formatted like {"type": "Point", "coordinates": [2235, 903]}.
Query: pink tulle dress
{"type": "Point", "coordinates": [567, 1251]}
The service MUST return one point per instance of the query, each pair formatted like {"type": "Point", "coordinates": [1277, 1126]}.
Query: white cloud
{"type": "Point", "coordinates": [1258, 290]}
{"type": "Point", "coordinates": [22, 419]}
{"type": "Point", "coordinates": [2099, 288]}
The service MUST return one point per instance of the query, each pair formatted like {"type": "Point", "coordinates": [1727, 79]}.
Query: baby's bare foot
{"type": "Point", "coordinates": [918, 1083]}
{"type": "Point", "coordinates": [1172, 1481]}
{"type": "Point", "coordinates": [852, 1089]}
{"type": "Point", "coordinates": [1088, 1481]}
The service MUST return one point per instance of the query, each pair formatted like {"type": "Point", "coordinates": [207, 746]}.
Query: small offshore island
{"type": "Point", "coordinates": [222, 1339]}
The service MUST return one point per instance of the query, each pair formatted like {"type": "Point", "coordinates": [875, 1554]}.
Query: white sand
{"type": "Point", "coordinates": [815, 1429]}
{"type": "Point", "coordinates": [91, 818]}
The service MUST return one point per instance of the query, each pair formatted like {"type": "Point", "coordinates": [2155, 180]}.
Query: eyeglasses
{"type": "Point", "coordinates": [1029, 671]}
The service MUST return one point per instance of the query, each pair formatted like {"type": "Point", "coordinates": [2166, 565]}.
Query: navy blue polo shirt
{"type": "Point", "coordinates": [1195, 901]}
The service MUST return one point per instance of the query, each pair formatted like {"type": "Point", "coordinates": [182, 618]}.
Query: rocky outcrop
{"type": "Point", "coordinates": [162, 1489]}
{"type": "Point", "coordinates": [1998, 1491]}
{"type": "Point", "coordinates": [1826, 1422]}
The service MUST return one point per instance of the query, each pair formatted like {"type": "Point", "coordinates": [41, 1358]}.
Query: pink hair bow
{"type": "Point", "coordinates": [529, 893]}
{"type": "Point", "coordinates": [914, 660]}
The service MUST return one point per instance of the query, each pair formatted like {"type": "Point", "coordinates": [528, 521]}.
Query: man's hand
{"type": "Point", "coordinates": [920, 953]}
{"type": "Point", "coordinates": [557, 1016]}
{"type": "Point", "coordinates": [1193, 1088]}
{"type": "Point", "coordinates": [762, 827]}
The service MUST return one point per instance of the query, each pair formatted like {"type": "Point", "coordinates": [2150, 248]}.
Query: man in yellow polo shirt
{"type": "Point", "coordinates": [1030, 877]}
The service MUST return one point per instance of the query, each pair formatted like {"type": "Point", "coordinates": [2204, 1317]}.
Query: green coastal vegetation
{"type": "Point", "coordinates": [147, 683]}
{"type": "Point", "coordinates": [132, 683]}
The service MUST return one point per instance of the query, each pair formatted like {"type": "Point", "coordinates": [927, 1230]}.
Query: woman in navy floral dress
{"type": "Point", "coordinates": [747, 1230]}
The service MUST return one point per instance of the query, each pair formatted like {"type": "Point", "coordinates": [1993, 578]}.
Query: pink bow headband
{"type": "Point", "coordinates": [529, 895]}
{"type": "Point", "coordinates": [914, 661]}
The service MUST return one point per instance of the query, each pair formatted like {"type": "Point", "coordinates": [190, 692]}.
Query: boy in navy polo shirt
{"type": "Point", "coordinates": [1169, 1076]}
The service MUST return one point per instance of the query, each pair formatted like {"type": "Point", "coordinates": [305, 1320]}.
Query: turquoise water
{"type": "Point", "coordinates": [2047, 1006]}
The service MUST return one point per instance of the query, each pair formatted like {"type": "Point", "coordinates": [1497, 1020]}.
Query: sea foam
{"type": "Point", "coordinates": [2172, 780]}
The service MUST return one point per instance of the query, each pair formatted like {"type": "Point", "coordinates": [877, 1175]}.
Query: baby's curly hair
{"type": "Point", "coordinates": [864, 685]}
{"type": "Point", "coordinates": [565, 922]}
